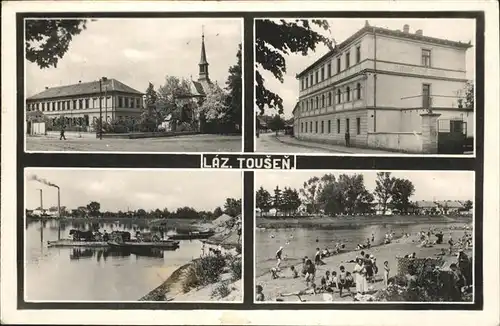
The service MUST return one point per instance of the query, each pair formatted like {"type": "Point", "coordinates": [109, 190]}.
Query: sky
{"type": "Point", "coordinates": [139, 51]}
{"type": "Point", "coordinates": [429, 185]}
{"type": "Point", "coordinates": [118, 189]}
{"type": "Point", "coordinates": [452, 29]}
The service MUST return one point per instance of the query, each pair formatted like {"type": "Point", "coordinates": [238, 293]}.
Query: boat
{"type": "Point", "coordinates": [163, 244]}
{"type": "Point", "coordinates": [192, 235]}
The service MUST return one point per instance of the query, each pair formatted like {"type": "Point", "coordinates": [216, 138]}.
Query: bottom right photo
{"type": "Point", "coordinates": [364, 236]}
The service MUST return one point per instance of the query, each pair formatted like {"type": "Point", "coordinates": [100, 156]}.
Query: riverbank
{"type": "Point", "coordinates": [338, 222]}
{"type": "Point", "coordinates": [272, 288]}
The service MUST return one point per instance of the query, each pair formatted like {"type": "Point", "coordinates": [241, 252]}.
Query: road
{"type": "Point", "coordinates": [191, 143]}
{"type": "Point", "coordinates": [268, 143]}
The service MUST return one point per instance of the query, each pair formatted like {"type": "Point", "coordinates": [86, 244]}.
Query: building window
{"type": "Point", "coordinates": [339, 96]}
{"type": "Point", "coordinates": [338, 65]}
{"type": "Point", "coordinates": [138, 102]}
{"type": "Point", "coordinates": [426, 58]}
{"type": "Point", "coordinates": [74, 104]}
{"type": "Point", "coordinates": [426, 96]}
{"type": "Point", "coordinates": [64, 105]}
{"type": "Point", "coordinates": [323, 100]}
{"type": "Point", "coordinates": [348, 94]}
{"type": "Point", "coordinates": [338, 126]}
{"type": "Point", "coordinates": [358, 54]}
{"type": "Point", "coordinates": [347, 59]}
{"type": "Point", "coordinates": [358, 126]}
{"type": "Point", "coordinates": [329, 70]}
{"type": "Point", "coordinates": [58, 106]}
{"type": "Point", "coordinates": [38, 106]}
{"type": "Point", "coordinates": [120, 101]}
{"type": "Point", "coordinates": [322, 73]}
{"type": "Point", "coordinates": [301, 127]}
{"type": "Point", "coordinates": [329, 98]}
{"type": "Point", "coordinates": [312, 105]}
{"type": "Point", "coordinates": [87, 103]}
{"type": "Point", "coordinates": [358, 91]}
{"type": "Point", "coordinates": [132, 102]}
{"type": "Point", "coordinates": [317, 76]}
{"type": "Point", "coordinates": [317, 102]}
{"type": "Point", "coordinates": [307, 81]}
{"type": "Point", "coordinates": [80, 104]}
{"type": "Point", "coordinates": [329, 126]}
{"type": "Point", "coordinates": [347, 125]}
{"type": "Point", "coordinates": [302, 84]}
{"type": "Point", "coordinates": [316, 126]}
{"type": "Point", "coordinates": [43, 106]}
{"type": "Point", "coordinates": [311, 126]}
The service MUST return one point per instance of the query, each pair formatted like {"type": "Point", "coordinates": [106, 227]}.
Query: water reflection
{"type": "Point", "coordinates": [104, 253]}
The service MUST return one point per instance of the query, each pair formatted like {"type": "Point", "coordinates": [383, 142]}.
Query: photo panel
{"type": "Point", "coordinates": [365, 236]}
{"type": "Point", "coordinates": [366, 86]}
{"type": "Point", "coordinates": [132, 235]}
{"type": "Point", "coordinates": [118, 84]}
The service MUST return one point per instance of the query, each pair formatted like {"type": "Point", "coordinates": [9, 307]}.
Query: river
{"type": "Point", "coordinates": [300, 242]}
{"type": "Point", "coordinates": [92, 274]}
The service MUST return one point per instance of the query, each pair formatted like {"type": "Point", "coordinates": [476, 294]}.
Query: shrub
{"type": "Point", "coordinates": [221, 291]}
{"type": "Point", "coordinates": [204, 271]}
{"type": "Point", "coordinates": [235, 267]}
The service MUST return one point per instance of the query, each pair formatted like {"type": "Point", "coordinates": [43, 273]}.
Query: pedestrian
{"type": "Point", "coordinates": [386, 273]}
{"type": "Point", "coordinates": [61, 137]}
{"type": "Point", "coordinates": [347, 138]}
{"type": "Point", "coordinates": [278, 257]}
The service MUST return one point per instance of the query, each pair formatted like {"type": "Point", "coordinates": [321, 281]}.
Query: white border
{"type": "Point", "coordinates": [489, 316]}
{"type": "Point", "coordinates": [322, 171]}
{"type": "Point", "coordinates": [242, 124]}
{"type": "Point", "coordinates": [135, 170]}
{"type": "Point", "coordinates": [389, 154]}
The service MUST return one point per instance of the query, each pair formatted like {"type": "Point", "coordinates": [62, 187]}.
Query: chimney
{"type": "Point", "coordinates": [406, 28]}
{"type": "Point", "coordinates": [59, 201]}
{"type": "Point", "coordinates": [46, 87]}
{"type": "Point", "coordinates": [41, 199]}
{"type": "Point", "coordinates": [419, 32]}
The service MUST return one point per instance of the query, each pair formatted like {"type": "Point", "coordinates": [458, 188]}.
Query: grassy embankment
{"type": "Point", "coordinates": [203, 279]}
{"type": "Point", "coordinates": [327, 222]}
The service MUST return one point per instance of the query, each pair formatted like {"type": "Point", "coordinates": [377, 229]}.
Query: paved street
{"type": "Point", "coordinates": [269, 143]}
{"type": "Point", "coordinates": [192, 143]}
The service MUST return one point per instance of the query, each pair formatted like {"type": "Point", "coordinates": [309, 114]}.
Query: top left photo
{"type": "Point", "coordinates": [148, 85]}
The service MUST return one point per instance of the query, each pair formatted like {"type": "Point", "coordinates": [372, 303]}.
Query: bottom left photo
{"type": "Point", "coordinates": [99, 235]}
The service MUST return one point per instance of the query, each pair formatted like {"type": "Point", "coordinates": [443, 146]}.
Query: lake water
{"type": "Point", "coordinates": [95, 274]}
{"type": "Point", "coordinates": [300, 242]}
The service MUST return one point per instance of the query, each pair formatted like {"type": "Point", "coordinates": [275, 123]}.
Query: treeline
{"type": "Point", "coordinates": [231, 207]}
{"type": "Point", "coordinates": [344, 194]}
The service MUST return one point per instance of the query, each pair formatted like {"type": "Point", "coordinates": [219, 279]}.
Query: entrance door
{"type": "Point", "coordinates": [426, 96]}
{"type": "Point", "coordinates": [451, 136]}
{"type": "Point", "coordinates": [347, 125]}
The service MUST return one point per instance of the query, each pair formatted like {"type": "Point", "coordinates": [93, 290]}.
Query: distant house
{"type": "Point", "coordinates": [35, 122]}
{"type": "Point", "coordinates": [447, 207]}
{"type": "Point", "coordinates": [378, 208]}
{"type": "Point", "coordinates": [425, 207]}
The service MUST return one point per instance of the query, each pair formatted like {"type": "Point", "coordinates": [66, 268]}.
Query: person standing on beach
{"type": "Point", "coordinates": [386, 273]}
{"type": "Point", "coordinates": [343, 284]}
{"type": "Point", "coordinates": [279, 253]}
{"type": "Point", "coordinates": [359, 270]}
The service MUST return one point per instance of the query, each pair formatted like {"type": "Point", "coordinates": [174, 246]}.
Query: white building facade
{"type": "Point", "coordinates": [377, 84]}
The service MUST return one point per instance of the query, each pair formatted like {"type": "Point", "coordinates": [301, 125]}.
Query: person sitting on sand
{"type": "Point", "coordinates": [274, 273]}
{"type": "Point", "coordinates": [325, 253]}
{"type": "Point", "coordinates": [312, 290]}
{"type": "Point", "coordinates": [295, 274]}
{"type": "Point", "coordinates": [259, 295]}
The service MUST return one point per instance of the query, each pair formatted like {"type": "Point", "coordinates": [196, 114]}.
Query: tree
{"type": "Point", "coordinates": [276, 124]}
{"type": "Point", "coordinates": [218, 212]}
{"type": "Point", "coordinates": [263, 200]}
{"type": "Point", "coordinates": [277, 199]}
{"type": "Point", "coordinates": [310, 191]}
{"type": "Point", "coordinates": [469, 95]}
{"type": "Point", "coordinates": [141, 213]}
{"type": "Point", "coordinates": [274, 40]}
{"type": "Point", "coordinates": [234, 87]}
{"type": "Point", "coordinates": [402, 191]}
{"type": "Point", "coordinates": [383, 189]}
{"type": "Point", "coordinates": [93, 208]}
{"type": "Point", "coordinates": [168, 94]}
{"type": "Point", "coordinates": [356, 198]}
{"type": "Point", "coordinates": [150, 117]}
{"type": "Point", "coordinates": [214, 106]}
{"type": "Point", "coordinates": [232, 207]}
{"type": "Point", "coordinates": [291, 201]}
{"type": "Point", "coordinates": [468, 205]}
{"type": "Point", "coordinates": [47, 40]}
{"type": "Point", "coordinates": [330, 199]}
{"type": "Point", "coordinates": [187, 212]}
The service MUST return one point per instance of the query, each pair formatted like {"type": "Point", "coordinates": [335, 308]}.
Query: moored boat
{"type": "Point", "coordinates": [192, 235]}
{"type": "Point", "coordinates": [163, 244]}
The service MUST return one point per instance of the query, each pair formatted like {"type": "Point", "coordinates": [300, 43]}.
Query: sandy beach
{"type": "Point", "coordinates": [272, 288]}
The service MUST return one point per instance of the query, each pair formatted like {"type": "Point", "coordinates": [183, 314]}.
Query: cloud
{"type": "Point", "coordinates": [138, 55]}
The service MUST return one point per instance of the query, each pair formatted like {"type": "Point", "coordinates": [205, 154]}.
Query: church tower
{"type": "Point", "coordinates": [203, 75]}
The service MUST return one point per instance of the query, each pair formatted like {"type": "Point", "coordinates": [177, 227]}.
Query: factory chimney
{"type": "Point", "coordinates": [41, 200]}
{"type": "Point", "coordinates": [59, 201]}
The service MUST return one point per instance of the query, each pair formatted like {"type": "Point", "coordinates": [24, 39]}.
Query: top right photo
{"type": "Point", "coordinates": [365, 86]}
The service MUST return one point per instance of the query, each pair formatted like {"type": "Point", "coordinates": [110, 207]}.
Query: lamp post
{"type": "Point", "coordinates": [100, 105]}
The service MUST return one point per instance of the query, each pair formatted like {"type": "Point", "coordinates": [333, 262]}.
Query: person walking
{"type": "Point", "coordinates": [61, 137]}
{"type": "Point", "coordinates": [347, 138]}
{"type": "Point", "coordinates": [278, 257]}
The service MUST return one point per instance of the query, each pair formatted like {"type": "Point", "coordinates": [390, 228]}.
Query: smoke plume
{"type": "Point", "coordinates": [42, 180]}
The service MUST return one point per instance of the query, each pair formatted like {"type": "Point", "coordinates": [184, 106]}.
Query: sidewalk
{"type": "Point", "coordinates": [331, 148]}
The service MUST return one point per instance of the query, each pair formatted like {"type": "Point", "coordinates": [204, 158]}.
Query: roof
{"type": "Point", "coordinates": [203, 58]}
{"type": "Point", "coordinates": [222, 219]}
{"type": "Point", "coordinates": [110, 85]}
{"type": "Point", "coordinates": [425, 204]}
{"type": "Point", "coordinates": [295, 107]}
{"type": "Point", "coordinates": [384, 31]}
{"type": "Point", "coordinates": [450, 203]}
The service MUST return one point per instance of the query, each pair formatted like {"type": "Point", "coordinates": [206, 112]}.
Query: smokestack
{"type": "Point", "coordinates": [41, 199]}
{"type": "Point", "coordinates": [419, 32]}
{"type": "Point", "coordinates": [59, 201]}
{"type": "Point", "coordinates": [406, 28]}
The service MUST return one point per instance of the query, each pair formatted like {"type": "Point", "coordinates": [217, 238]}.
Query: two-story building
{"type": "Point", "coordinates": [388, 89]}
{"type": "Point", "coordinates": [79, 105]}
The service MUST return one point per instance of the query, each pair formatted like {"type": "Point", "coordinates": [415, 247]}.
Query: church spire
{"type": "Point", "coordinates": [203, 75]}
